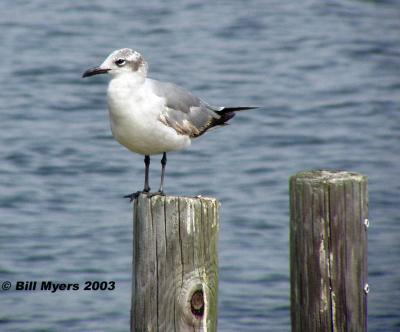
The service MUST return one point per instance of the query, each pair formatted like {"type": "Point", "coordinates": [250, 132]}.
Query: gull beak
{"type": "Point", "coordinates": [95, 71]}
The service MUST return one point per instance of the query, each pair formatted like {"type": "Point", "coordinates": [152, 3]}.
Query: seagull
{"type": "Point", "coordinates": [150, 117]}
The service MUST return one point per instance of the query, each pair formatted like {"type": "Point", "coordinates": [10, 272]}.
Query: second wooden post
{"type": "Point", "coordinates": [328, 251]}
{"type": "Point", "coordinates": [175, 264]}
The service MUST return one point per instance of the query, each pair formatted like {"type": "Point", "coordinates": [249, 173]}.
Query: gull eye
{"type": "Point", "coordinates": [120, 62]}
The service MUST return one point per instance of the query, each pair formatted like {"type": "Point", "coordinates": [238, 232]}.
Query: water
{"type": "Point", "coordinates": [327, 75]}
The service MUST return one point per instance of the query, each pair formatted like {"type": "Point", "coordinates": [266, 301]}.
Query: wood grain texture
{"type": "Point", "coordinates": [175, 264]}
{"type": "Point", "coordinates": [328, 251]}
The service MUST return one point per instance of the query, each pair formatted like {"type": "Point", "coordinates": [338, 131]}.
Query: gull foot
{"type": "Point", "coordinates": [157, 193]}
{"type": "Point", "coordinates": [135, 195]}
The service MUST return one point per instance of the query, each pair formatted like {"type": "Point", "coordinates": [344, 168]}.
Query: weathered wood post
{"type": "Point", "coordinates": [175, 264]}
{"type": "Point", "coordinates": [328, 251]}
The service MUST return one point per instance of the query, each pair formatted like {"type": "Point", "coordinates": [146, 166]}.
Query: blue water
{"type": "Point", "coordinates": [327, 75]}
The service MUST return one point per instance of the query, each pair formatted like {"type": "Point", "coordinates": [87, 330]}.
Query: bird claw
{"type": "Point", "coordinates": [157, 193]}
{"type": "Point", "coordinates": [135, 195]}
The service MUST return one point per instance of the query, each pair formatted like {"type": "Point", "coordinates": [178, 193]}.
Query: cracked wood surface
{"type": "Point", "coordinates": [175, 264]}
{"type": "Point", "coordinates": [328, 251]}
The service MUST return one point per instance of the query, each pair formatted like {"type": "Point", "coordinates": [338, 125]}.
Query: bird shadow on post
{"type": "Point", "coordinates": [175, 264]}
{"type": "Point", "coordinates": [328, 251]}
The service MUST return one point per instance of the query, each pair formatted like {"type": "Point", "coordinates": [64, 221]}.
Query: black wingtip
{"type": "Point", "coordinates": [237, 109]}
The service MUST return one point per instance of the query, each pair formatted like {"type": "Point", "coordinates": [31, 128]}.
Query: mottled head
{"type": "Point", "coordinates": [121, 62]}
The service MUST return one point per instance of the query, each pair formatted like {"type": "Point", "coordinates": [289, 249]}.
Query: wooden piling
{"type": "Point", "coordinates": [175, 264]}
{"type": "Point", "coordinates": [328, 251]}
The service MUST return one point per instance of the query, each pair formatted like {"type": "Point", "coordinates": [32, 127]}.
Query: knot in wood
{"type": "Point", "coordinates": [197, 303]}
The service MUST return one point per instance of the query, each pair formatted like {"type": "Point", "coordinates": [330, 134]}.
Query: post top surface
{"type": "Point", "coordinates": [329, 176]}
{"type": "Point", "coordinates": [186, 198]}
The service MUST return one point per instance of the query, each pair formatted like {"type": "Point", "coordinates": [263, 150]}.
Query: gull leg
{"type": "Point", "coordinates": [163, 164]}
{"type": "Point", "coordinates": [146, 174]}
{"type": "Point", "coordinates": [146, 188]}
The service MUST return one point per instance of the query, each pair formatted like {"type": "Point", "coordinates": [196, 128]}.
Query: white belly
{"type": "Point", "coordinates": [135, 125]}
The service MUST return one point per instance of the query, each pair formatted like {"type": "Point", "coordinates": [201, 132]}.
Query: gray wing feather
{"type": "Point", "coordinates": [184, 112]}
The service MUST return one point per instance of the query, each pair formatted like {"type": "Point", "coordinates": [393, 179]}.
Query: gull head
{"type": "Point", "coordinates": [119, 62]}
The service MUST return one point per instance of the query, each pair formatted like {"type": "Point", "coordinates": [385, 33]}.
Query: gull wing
{"type": "Point", "coordinates": [184, 112]}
